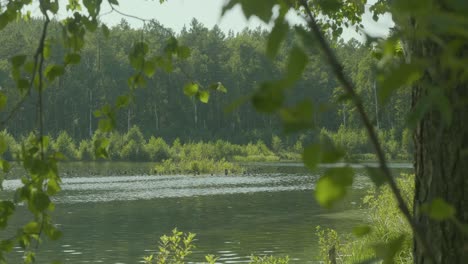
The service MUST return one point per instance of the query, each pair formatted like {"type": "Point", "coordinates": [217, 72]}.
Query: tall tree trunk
{"type": "Point", "coordinates": [441, 155]}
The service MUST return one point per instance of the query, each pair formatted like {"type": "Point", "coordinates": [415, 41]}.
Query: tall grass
{"type": "Point", "coordinates": [386, 222]}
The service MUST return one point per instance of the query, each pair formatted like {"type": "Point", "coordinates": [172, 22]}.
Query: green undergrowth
{"type": "Point", "coordinates": [386, 229]}
{"type": "Point", "coordinates": [134, 146]}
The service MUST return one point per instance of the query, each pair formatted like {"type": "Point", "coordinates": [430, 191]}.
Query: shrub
{"type": "Point", "coordinates": [85, 151]}
{"type": "Point", "coordinates": [65, 145]}
{"type": "Point", "coordinates": [173, 249]}
{"type": "Point", "coordinates": [135, 134]}
{"type": "Point", "coordinates": [116, 143]}
{"type": "Point", "coordinates": [157, 149]}
{"type": "Point", "coordinates": [386, 221]}
{"type": "Point", "coordinates": [276, 144]}
{"type": "Point", "coordinates": [133, 151]}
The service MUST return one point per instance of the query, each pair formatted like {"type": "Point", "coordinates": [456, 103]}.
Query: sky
{"type": "Point", "coordinates": [175, 14]}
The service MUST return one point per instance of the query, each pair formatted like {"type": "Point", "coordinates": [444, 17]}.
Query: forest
{"type": "Point", "coordinates": [161, 109]}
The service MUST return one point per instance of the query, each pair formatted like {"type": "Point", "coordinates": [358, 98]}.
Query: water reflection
{"type": "Point", "coordinates": [118, 219]}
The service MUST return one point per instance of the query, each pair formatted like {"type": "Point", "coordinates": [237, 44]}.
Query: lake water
{"type": "Point", "coordinates": [115, 213]}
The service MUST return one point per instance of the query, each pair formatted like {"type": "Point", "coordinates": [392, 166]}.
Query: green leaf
{"type": "Point", "coordinates": [72, 58]}
{"type": "Point", "coordinates": [32, 227]}
{"type": "Point", "coordinates": [361, 231]}
{"type": "Point", "coordinates": [330, 6]}
{"type": "Point", "coordinates": [330, 152]}
{"type": "Point", "coordinates": [439, 210]}
{"type": "Point", "coordinates": [191, 89]}
{"type": "Point", "coordinates": [387, 251]}
{"type": "Point", "coordinates": [40, 201]}
{"type": "Point", "coordinates": [22, 85]}
{"type": "Point", "coordinates": [54, 71]}
{"type": "Point", "coordinates": [73, 5]}
{"type": "Point", "coordinates": [297, 62]}
{"type": "Point", "coordinates": [18, 60]}
{"type": "Point", "coordinates": [7, 209]}
{"type": "Point", "coordinates": [333, 186]}
{"type": "Point", "coordinates": [203, 96]}
{"type": "Point", "coordinates": [101, 147]}
{"type": "Point", "coordinates": [171, 46]}
{"type": "Point", "coordinates": [114, 2]}
{"type": "Point", "coordinates": [312, 156]}
{"type": "Point", "coordinates": [54, 234]}
{"type": "Point", "coordinates": [404, 74]}
{"type": "Point", "coordinates": [218, 87]}
{"type": "Point", "coordinates": [122, 101]}
{"type": "Point", "coordinates": [105, 31]}
{"type": "Point", "coordinates": [268, 98]}
{"type": "Point", "coordinates": [276, 37]}
{"type": "Point", "coordinates": [298, 117]}
{"type": "Point", "coordinates": [5, 166]}
{"type": "Point", "coordinates": [137, 55]}
{"type": "Point", "coordinates": [4, 20]}
{"type": "Point", "coordinates": [262, 9]}
{"type": "Point", "coordinates": [183, 52]}
{"type": "Point", "coordinates": [29, 67]}
{"type": "Point", "coordinates": [53, 187]}
{"type": "Point", "coordinates": [150, 68]}
{"type": "Point", "coordinates": [105, 125]}
{"type": "Point", "coordinates": [377, 176]}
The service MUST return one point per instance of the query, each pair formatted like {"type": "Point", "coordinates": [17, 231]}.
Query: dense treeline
{"type": "Point", "coordinates": [133, 146]}
{"type": "Point", "coordinates": [162, 110]}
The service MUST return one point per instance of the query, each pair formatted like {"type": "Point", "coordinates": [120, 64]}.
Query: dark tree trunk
{"type": "Point", "coordinates": [441, 158]}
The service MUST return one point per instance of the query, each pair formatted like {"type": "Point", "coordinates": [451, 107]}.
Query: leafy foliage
{"type": "Point", "coordinates": [386, 235]}
{"type": "Point", "coordinates": [176, 248]}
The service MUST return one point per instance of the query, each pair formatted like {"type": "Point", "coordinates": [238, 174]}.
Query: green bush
{"type": "Point", "coordinates": [276, 144]}
{"type": "Point", "coordinates": [157, 149]}
{"type": "Point", "coordinates": [173, 249]}
{"type": "Point", "coordinates": [386, 223]}
{"type": "Point", "coordinates": [116, 143]}
{"type": "Point", "coordinates": [85, 151]}
{"type": "Point", "coordinates": [135, 134]}
{"type": "Point", "coordinates": [65, 145]}
{"type": "Point", "coordinates": [133, 151]}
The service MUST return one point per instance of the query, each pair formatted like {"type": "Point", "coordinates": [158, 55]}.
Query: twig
{"type": "Point", "coordinates": [40, 88]}
{"type": "Point", "coordinates": [349, 88]}
{"type": "Point", "coordinates": [40, 56]}
{"type": "Point", "coordinates": [37, 55]}
{"type": "Point", "coordinates": [127, 15]}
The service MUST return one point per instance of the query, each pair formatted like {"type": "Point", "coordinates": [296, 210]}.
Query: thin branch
{"type": "Point", "coordinates": [349, 88]}
{"type": "Point", "coordinates": [37, 56]}
{"type": "Point", "coordinates": [40, 88]}
{"type": "Point", "coordinates": [40, 56]}
{"type": "Point", "coordinates": [127, 15]}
